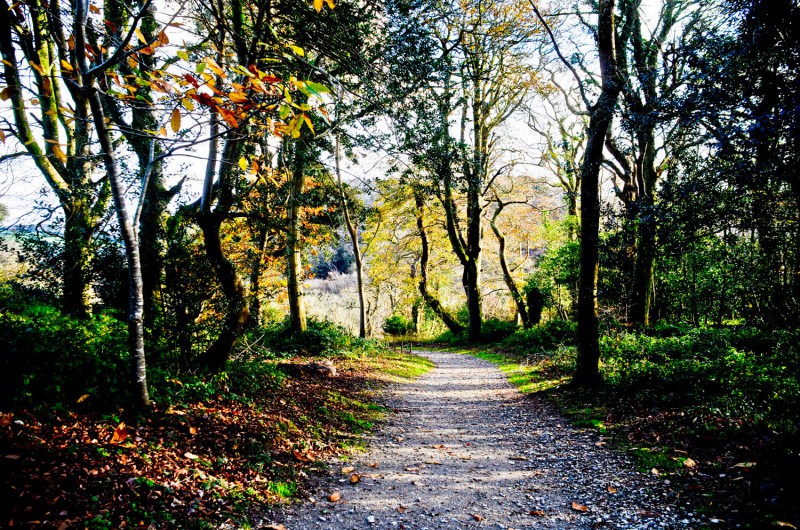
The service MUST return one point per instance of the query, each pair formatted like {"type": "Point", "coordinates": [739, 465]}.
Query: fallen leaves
{"type": "Point", "coordinates": [303, 457]}
{"type": "Point", "coordinates": [578, 507]}
{"type": "Point", "coordinates": [5, 419]}
{"type": "Point", "coordinates": [612, 489]}
{"type": "Point", "coordinates": [537, 513]}
{"type": "Point", "coordinates": [355, 478]}
{"type": "Point", "coordinates": [120, 434]}
{"type": "Point", "coordinates": [336, 496]}
{"type": "Point", "coordinates": [347, 469]}
{"type": "Point", "coordinates": [477, 517]}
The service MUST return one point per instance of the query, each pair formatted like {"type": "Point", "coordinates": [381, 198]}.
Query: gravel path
{"type": "Point", "coordinates": [464, 449]}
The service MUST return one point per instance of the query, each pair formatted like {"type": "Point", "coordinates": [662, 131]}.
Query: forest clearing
{"type": "Point", "coordinates": [538, 262]}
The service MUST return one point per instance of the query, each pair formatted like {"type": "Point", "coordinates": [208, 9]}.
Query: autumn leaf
{"type": "Point", "coordinates": [191, 456]}
{"type": "Point", "coordinates": [578, 507]}
{"type": "Point", "coordinates": [335, 496]}
{"type": "Point", "coordinates": [82, 398]}
{"type": "Point", "coordinates": [537, 513]}
{"type": "Point", "coordinates": [355, 478]}
{"type": "Point", "coordinates": [5, 419]}
{"type": "Point", "coordinates": [243, 167]}
{"type": "Point", "coordinates": [120, 434]}
{"type": "Point", "coordinates": [275, 527]}
{"type": "Point", "coordinates": [477, 517]}
{"type": "Point", "coordinates": [612, 489]}
{"type": "Point", "coordinates": [59, 154]}
{"type": "Point", "coordinates": [297, 454]}
{"type": "Point", "coordinates": [94, 9]}
{"type": "Point", "coordinates": [214, 66]}
{"type": "Point", "coordinates": [347, 469]}
{"type": "Point", "coordinates": [175, 120]}
{"type": "Point", "coordinates": [5, 93]}
{"type": "Point", "coordinates": [318, 5]}
{"type": "Point", "coordinates": [237, 97]}
{"type": "Point", "coordinates": [66, 66]}
{"type": "Point", "coordinates": [784, 524]}
{"type": "Point", "coordinates": [402, 509]}
{"type": "Point", "coordinates": [140, 36]}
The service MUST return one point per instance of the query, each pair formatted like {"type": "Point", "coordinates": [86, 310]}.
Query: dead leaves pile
{"type": "Point", "coordinates": [194, 461]}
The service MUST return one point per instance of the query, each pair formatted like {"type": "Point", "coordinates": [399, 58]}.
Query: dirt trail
{"type": "Point", "coordinates": [464, 449]}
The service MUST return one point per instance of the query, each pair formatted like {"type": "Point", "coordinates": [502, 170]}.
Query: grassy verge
{"type": "Point", "coordinates": [212, 449]}
{"type": "Point", "coordinates": [712, 411]}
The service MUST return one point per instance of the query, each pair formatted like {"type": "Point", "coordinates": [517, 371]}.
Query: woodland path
{"type": "Point", "coordinates": [464, 449]}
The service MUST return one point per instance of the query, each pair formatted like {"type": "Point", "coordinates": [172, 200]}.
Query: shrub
{"type": "Point", "coordinates": [398, 325]}
{"type": "Point", "coordinates": [547, 336]}
{"type": "Point", "coordinates": [321, 338]}
{"type": "Point", "coordinates": [51, 358]}
{"type": "Point", "coordinates": [495, 330]}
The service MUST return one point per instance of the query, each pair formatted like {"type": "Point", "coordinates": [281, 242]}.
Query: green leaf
{"type": "Point", "coordinates": [317, 88]}
{"type": "Point", "coordinates": [284, 112]}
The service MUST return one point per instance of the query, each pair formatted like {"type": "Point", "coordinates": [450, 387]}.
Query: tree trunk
{"type": "Point", "coordinates": [587, 369]}
{"type": "Point", "coordinates": [129, 236]}
{"type": "Point", "coordinates": [237, 311]}
{"type": "Point", "coordinates": [516, 295]}
{"type": "Point", "coordinates": [294, 271]}
{"type": "Point", "coordinates": [438, 309]}
{"type": "Point", "coordinates": [352, 231]}
{"type": "Point", "coordinates": [78, 235]}
{"type": "Point", "coordinates": [255, 279]}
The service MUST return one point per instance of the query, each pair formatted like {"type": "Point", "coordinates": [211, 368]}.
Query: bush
{"type": "Point", "coordinates": [495, 330]}
{"type": "Point", "coordinates": [322, 338]}
{"type": "Point", "coordinates": [50, 358]}
{"type": "Point", "coordinates": [398, 325]}
{"type": "Point", "coordinates": [547, 336]}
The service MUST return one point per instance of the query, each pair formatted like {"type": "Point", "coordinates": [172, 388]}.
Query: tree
{"type": "Point", "coordinates": [478, 76]}
{"type": "Point", "coordinates": [61, 145]}
{"type": "Point", "coordinates": [610, 41]}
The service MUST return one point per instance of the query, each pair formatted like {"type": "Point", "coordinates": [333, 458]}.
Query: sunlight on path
{"type": "Point", "coordinates": [465, 450]}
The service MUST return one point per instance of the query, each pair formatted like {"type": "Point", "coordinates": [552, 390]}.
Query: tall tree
{"type": "Point", "coordinates": [610, 39]}
{"type": "Point", "coordinates": [59, 137]}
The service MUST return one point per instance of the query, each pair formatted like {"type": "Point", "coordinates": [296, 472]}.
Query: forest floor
{"type": "Point", "coordinates": [465, 449]}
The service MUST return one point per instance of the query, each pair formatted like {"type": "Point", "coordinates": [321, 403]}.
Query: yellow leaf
{"type": "Point", "coordinates": [237, 97]}
{"type": "Point", "coordinates": [5, 93]}
{"type": "Point", "coordinates": [59, 154]}
{"type": "Point", "coordinates": [297, 50]}
{"type": "Point", "coordinates": [162, 131]}
{"type": "Point", "coordinates": [175, 121]}
{"type": "Point", "coordinates": [187, 104]}
{"type": "Point", "coordinates": [214, 66]}
{"type": "Point", "coordinates": [182, 55]}
{"type": "Point", "coordinates": [66, 66]}
{"type": "Point", "coordinates": [308, 122]}
{"type": "Point", "coordinates": [330, 3]}
{"type": "Point", "coordinates": [139, 36]}
{"type": "Point", "coordinates": [83, 398]}
{"type": "Point", "coordinates": [318, 5]}
{"type": "Point", "coordinates": [243, 164]}
{"type": "Point", "coordinates": [335, 496]}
